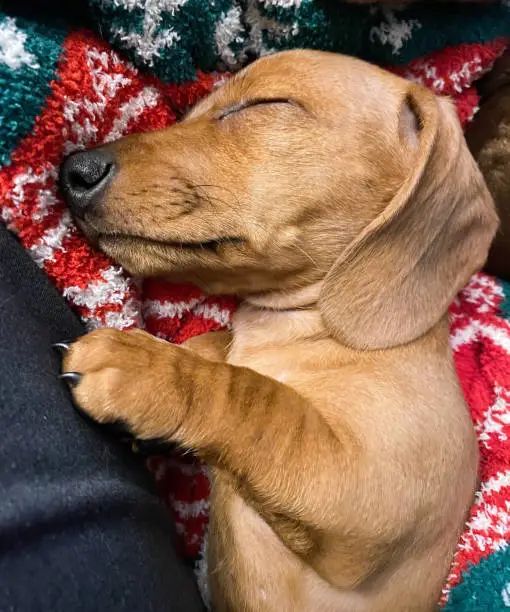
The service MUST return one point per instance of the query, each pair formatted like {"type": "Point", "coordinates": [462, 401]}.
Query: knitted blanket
{"type": "Point", "coordinates": [64, 90]}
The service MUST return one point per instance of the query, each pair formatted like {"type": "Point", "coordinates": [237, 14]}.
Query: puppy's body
{"type": "Point", "coordinates": [342, 205]}
{"type": "Point", "coordinates": [406, 413]}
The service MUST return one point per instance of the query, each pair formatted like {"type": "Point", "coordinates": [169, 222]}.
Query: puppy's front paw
{"type": "Point", "coordinates": [126, 378]}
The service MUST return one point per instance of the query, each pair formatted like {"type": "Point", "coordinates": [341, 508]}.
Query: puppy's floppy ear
{"type": "Point", "coordinates": [398, 277]}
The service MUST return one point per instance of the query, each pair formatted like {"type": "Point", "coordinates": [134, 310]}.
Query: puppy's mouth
{"type": "Point", "coordinates": [212, 244]}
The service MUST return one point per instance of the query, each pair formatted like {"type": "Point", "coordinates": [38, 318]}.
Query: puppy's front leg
{"type": "Point", "coordinates": [213, 345]}
{"type": "Point", "coordinates": [283, 456]}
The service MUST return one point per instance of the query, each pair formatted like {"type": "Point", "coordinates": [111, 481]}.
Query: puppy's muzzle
{"type": "Point", "coordinates": [84, 178]}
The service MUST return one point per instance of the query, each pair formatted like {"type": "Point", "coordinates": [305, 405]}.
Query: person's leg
{"type": "Point", "coordinates": [80, 526]}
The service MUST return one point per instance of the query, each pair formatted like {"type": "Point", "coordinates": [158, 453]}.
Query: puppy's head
{"type": "Point", "coordinates": [304, 168]}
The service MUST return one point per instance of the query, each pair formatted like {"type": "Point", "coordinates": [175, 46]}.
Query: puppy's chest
{"type": "Point", "coordinates": [283, 345]}
{"type": "Point", "coordinates": [277, 361]}
{"type": "Point", "coordinates": [265, 361]}
{"type": "Point", "coordinates": [278, 345]}
{"type": "Point", "coordinates": [267, 365]}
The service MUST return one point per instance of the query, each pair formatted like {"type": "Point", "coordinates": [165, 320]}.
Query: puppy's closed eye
{"type": "Point", "coordinates": [241, 106]}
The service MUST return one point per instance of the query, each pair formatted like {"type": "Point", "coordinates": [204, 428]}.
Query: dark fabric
{"type": "Point", "coordinates": [81, 528]}
{"type": "Point", "coordinates": [74, 13]}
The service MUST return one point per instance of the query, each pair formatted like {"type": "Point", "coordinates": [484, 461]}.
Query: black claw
{"type": "Point", "coordinates": [61, 347]}
{"type": "Point", "coordinates": [71, 378]}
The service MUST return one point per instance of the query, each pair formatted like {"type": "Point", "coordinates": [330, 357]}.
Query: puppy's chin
{"type": "Point", "coordinates": [126, 253]}
{"type": "Point", "coordinates": [145, 257]}
{"type": "Point", "coordinates": [221, 265]}
{"type": "Point", "coordinates": [180, 261]}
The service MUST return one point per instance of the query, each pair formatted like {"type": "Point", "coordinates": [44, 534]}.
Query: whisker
{"type": "Point", "coordinates": [308, 256]}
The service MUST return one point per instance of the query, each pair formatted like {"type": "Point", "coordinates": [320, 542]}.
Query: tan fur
{"type": "Point", "coordinates": [346, 219]}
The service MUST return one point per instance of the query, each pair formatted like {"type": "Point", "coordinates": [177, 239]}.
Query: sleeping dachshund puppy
{"type": "Point", "coordinates": [341, 204]}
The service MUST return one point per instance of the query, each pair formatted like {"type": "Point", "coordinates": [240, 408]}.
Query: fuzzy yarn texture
{"type": "Point", "coordinates": [173, 38]}
{"type": "Point", "coordinates": [67, 90]}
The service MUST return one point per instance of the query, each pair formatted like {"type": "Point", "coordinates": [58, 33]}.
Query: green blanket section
{"type": "Point", "coordinates": [29, 63]}
{"type": "Point", "coordinates": [188, 34]}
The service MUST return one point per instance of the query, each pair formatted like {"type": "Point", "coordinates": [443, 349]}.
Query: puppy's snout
{"type": "Point", "coordinates": [84, 177]}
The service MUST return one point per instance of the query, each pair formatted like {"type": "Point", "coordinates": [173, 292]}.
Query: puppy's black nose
{"type": "Point", "coordinates": [84, 177]}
